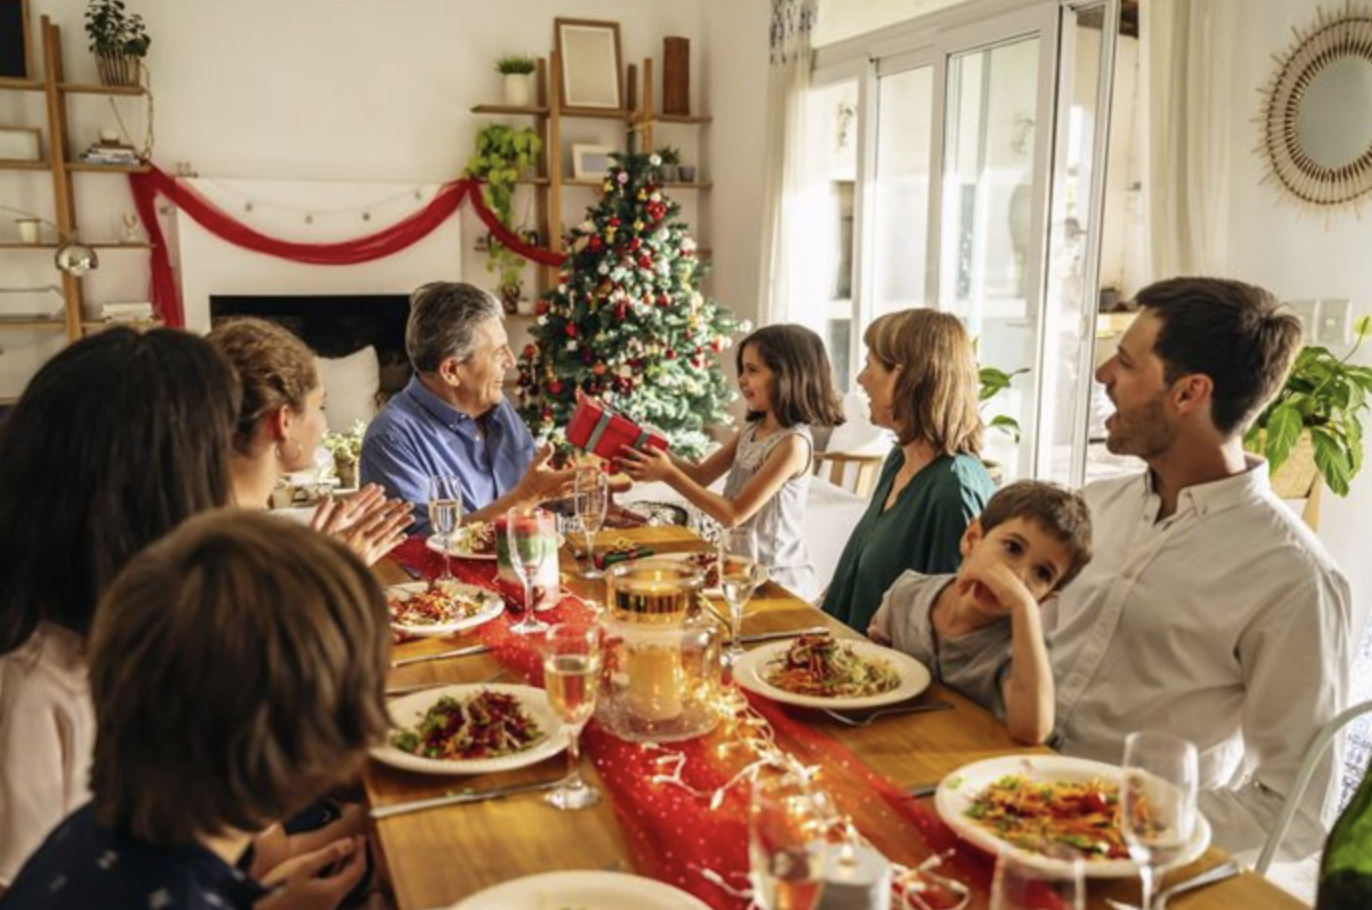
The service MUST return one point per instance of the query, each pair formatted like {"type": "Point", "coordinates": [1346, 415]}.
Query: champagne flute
{"type": "Point", "coordinates": [787, 823]}
{"type": "Point", "coordinates": [529, 537]}
{"type": "Point", "coordinates": [740, 574]}
{"type": "Point", "coordinates": [1157, 803]}
{"type": "Point", "coordinates": [445, 514]}
{"type": "Point", "coordinates": [571, 674]}
{"type": "Point", "coordinates": [1021, 884]}
{"type": "Point", "coordinates": [591, 498]}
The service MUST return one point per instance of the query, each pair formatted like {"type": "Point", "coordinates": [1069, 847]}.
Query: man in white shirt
{"type": "Point", "coordinates": [1209, 611]}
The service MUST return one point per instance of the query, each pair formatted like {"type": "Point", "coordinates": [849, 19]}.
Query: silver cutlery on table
{"type": "Point", "coordinates": [917, 791]}
{"type": "Point", "coordinates": [467, 651]}
{"type": "Point", "coordinates": [757, 637]}
{"type": "Point", "coordinates": [1225, 870]}
{"type": "Point", "coordinates": [862, 720]}
{"type": "Point", "coordinates": [421, 687]}
{"type": "Point", "coordinates": [461, 798]}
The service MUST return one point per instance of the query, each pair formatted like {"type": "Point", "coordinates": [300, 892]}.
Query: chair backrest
{"type": "Point", "coordinates": [865, 468]}
{"type": "Point", "coordinates": [1313, 752]}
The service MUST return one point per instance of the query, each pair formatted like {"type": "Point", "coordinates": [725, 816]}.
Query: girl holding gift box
{"type": "Point", "coordinates": [787, 385]}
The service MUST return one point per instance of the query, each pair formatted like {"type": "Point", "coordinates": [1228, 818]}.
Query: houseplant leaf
{"type": "Point", "coordinates": [1283, 430]}
{"type": "Point", "coordinates": [1332, 459]}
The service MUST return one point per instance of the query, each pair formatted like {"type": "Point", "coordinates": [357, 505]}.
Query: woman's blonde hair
{"type": "Point", "coordinates": [275, 369]}
{"type": "Point", "coordinates": [936, 393]}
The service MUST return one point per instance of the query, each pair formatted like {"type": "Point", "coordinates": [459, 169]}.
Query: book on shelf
{"type": "Point", "coordinates": [138, 311]}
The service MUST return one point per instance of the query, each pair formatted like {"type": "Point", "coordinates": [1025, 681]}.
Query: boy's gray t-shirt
{"type": "Point", "coordinates": [975, 664]}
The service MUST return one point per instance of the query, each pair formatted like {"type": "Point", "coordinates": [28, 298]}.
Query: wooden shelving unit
{"type": "Point", "coordinates": [59, 163]}
{"type": "Point", "coordinates": [548, 115]}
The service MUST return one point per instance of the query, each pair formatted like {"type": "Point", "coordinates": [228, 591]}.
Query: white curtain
{"type": "Point", "coordinates": [796, 235]}
{"type": "Point", "coordinates": [1189, 97]}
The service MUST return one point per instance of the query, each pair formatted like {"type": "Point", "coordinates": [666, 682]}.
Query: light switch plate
{"type": "Point", "coordinates": [1304, 310]}
{"type": "Point", "coordinates": [1334, 322]}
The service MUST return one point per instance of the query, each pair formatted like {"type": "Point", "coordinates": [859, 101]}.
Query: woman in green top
{"type": "Point", "coordinates": [921, 379]}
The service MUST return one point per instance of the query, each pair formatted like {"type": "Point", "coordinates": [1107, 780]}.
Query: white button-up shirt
{"type": "Point", "coordinates": [1226, 623]}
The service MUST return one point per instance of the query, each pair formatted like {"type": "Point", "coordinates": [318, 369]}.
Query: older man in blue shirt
{"type": "Point", "coordinates": [453, 417]}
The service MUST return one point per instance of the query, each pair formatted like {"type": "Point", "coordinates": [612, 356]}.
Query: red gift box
{"type": "Point", "coordinates": [597, 429]}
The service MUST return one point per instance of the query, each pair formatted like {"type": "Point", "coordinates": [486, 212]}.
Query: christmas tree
{"type": "Point", "coordinates": [627, 323]}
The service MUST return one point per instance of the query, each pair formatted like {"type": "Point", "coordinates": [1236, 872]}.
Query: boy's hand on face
{"type": "Point", "coordinates": [996, 589]}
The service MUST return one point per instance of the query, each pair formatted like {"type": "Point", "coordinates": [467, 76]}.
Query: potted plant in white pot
{"type": "Point", "coordinates": [346, 449]}
{"type": "Point", "coordinates": [518, 72]}
{"type": "Point", "coordinates": [119, 40]}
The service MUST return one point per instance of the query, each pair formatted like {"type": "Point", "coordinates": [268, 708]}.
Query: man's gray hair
{"type": "Point", "coordinates": [443, 320]}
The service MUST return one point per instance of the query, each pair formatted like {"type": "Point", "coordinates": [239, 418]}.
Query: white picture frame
{"type": "Point", "coordinates": [591, 74]}
{"type": "Point", "coordinates": [591, 162]}
{"type": "Point", "coordinates": [21, 143]}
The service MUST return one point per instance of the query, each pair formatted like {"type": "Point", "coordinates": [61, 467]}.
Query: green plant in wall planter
{"type": "Point", "coordinates": [1317, 416]}
{"type": "Point", "coordinates": [993, 382]}
{"type": "Point", "coordinates": [119, 39]}
{"type": "Point", "coordinates": [503, 154]}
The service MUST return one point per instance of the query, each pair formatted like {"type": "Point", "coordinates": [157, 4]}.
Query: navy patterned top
{"type": "Point", "coordinates": [84, 867]}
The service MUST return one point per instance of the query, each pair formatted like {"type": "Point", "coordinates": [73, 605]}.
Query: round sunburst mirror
{"type": "Point", "coordinates": [1317, 114]}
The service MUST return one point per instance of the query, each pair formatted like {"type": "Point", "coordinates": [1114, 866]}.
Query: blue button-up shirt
{"type": "Point", "coordinates": [82, 866]}
{"type": "Point", "coordinates": [418, 435]}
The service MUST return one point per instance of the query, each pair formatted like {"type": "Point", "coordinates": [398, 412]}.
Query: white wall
{"type": "Point", "coordinates": [1297, 253]}
{"type": "Point", "coordinates": [380, 91]}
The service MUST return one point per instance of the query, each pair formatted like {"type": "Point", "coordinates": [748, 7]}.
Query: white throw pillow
{"type": "Point", "coordinates": [350, 384]}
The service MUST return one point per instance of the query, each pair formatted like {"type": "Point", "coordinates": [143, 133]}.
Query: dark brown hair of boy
{"type": "Point", "coordinates": [1060, 513]}
{"type": "Point", "coordinates": [804, 379]}
{"type": "Point", "coordinates": [115, 441]}
{"type": "Point", "coordinates": [238, 672]}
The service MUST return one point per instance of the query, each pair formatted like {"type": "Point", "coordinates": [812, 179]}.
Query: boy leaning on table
{"type": "Point", "coordinates": [217, 712]}
{"type": "Point", "coordinates": [979, 631]}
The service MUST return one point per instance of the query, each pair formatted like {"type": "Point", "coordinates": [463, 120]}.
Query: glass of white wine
{"type": "Point", "coordinates": [571, 674]}
{"type": "Point", "coordinates": [788, 820]}
{"type": "Point", "coordinates": [1157, 803]}
{"type": "Point", "coordinates": [1022, 884]}
{"type": "Point", "coordinates": [445, 514]}
{"type": "Point", "coordinates": [591, 499]}
{"type": "Point", "coordinates": [740, 574]}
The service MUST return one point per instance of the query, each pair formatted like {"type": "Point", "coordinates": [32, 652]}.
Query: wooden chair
{"type": "Point", "coordinates": [866, 468]}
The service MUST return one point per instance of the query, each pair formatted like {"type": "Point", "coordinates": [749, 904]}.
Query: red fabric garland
{"type": "Point", "coordinates": [385, 242]}
{"type": "Point", "coordinates": [674, 835]}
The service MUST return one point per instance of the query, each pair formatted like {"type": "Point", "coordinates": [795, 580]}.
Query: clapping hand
{"type": "Point", "coordinates": [369, 523]}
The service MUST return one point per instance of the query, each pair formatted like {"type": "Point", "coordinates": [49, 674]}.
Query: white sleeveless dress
{"type": "Point", "coordinates": [779, 523]}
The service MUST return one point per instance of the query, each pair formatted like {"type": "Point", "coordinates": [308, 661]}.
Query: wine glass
{"type": "Point", "coordinates": [1021, 884]}
{"type": "Point", "coordinates": [445, 514]}
{"type": "Point", "coordinates": [1157, 803]}
{"type": "Point", "coordinates": [787, 823]}
{"type": "Point", "coordinates": [129, 220]}
{"type": "Point", "coordinates": [571, 674]}
{"type": "Point", "coordinates": [530, 537]}
{"type": "Point", "coordinates": [590, 498]}
{"type": "Point", "coordinates": [740, 574]}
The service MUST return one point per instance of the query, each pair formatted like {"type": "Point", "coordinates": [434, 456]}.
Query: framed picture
{"type": "Point", "coordinates": [21, 143]}
{"type": "Point", "coordinates": [591, 72]}
{"type": "Point", "coordinates": [14, 39]}
{"type": "Point", "coordinates": [590, 162]}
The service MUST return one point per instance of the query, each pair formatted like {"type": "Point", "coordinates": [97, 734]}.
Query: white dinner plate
{"type": "Point", "coordinates": [959, 790]}
{"type": "Point", "coordinates": [751, 669]}
{"type": "Point", "coordinates": [458, 547]}
{"type": "Point", "coordinates": [491, 607]}
{"type": "Point", "coordinates": [407, 711]}
{"type": "Point", "coordinates": [592, 890]}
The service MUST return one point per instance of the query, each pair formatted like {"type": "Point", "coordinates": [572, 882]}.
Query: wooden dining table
{"type": "Point", "coordinates": [436, 857]}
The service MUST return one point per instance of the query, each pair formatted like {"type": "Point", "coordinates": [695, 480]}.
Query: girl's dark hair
{"type": "Point", "coordinates": [238, 671]}
{"type": "Point", "coordinates": [115, 441]}
{"type": "Point", "coordinates": [805, 390]}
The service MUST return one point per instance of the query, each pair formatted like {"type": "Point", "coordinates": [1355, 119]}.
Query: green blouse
{"type": "Point", "coordinates": [920, 531]}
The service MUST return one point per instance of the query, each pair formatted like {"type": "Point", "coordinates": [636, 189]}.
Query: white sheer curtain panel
{"type": "Point", "coordinates": [797, 238]}
{"type": "Point", "coordinates": [1187, 93]}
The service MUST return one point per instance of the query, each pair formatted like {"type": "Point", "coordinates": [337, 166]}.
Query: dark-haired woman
{"type": "Point", "coordinates": [787, 386]}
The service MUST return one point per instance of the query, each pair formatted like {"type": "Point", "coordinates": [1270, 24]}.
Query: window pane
{"type": "Point", "coordinates": [900, 224]}
{"type": "Point", "coordinates": [832, 131]}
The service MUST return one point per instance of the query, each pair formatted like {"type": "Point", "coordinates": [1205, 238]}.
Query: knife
{"type": "Point", "coordinates": [441, 655]}
{"type": "Point", "coordinates": [460, 798]}
{"type": "Point", "coordinates": [788, 633]}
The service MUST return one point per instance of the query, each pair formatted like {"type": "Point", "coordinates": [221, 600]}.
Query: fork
{"type": "Point", "coordinates": [1224, 870]}
{"type": "Point", "coordinates": [866, 719]}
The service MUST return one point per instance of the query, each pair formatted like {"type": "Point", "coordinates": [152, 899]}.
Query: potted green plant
{"type": "Point", "coordinates": [993, 382]}
{"type": "Point", "coordinates": [346, 449]}
{"type": "Point", "coordinates": [119, 40]}
{"type": "Point", "coordinates": [517, 71]}
{"type": "Point", "coordinates": [1314, 425]}
{"type": "Point", "coordinates": [669, 157]}
{"type": "Point", "coordinates": [503, 155]}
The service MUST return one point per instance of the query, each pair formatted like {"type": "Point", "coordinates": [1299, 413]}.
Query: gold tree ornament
{"type": "Point", "coordinates": [1316, 121]}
